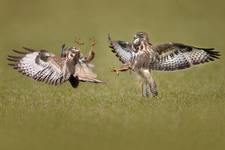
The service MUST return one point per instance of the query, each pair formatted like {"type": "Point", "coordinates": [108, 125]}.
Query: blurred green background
{"type": "Point", "coordinates": [189, 112]}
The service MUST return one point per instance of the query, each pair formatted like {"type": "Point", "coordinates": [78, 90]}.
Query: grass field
{"type": "Point", "coordinates": [189, 112]}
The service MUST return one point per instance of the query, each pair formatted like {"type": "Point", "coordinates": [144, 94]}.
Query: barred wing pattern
{"type": "Point", "coordinates": [123, 50]}
{"type": "Point", "coordinates": [175, 56]}
{"type": "Point", "coordinates": [39, 65]}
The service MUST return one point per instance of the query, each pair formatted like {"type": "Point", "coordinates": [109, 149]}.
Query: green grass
{"type": "Point", "coordinates": [189, 112]}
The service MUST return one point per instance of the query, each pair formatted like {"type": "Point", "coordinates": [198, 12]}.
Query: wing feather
{"type": "Point", "coordinates": [123, 50]}
{"type": "Point", "coordinates": [175, 56]}
{"type": "Point", "coordinates": [39, 65]}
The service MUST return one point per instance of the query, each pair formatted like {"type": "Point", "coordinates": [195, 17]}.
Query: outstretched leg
{"type": "Point", "coordinates": [124, 67]}
{"type": "Point", "coordinates": [153, 88]}
{"type": "Point", "coordinates": [145, 88]}
{"type": "Point", "coordinates": [93, 43]}
{"type": "Point", "coordinates": [90, 56]}
{"type": "Point", "coordinates": [91, 53]}
{"type": "Point", "coordinates": [147, 79]}
{"type": "Point", "coordinates": [78, 43]}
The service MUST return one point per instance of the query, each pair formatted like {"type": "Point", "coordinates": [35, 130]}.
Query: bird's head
{"type": "Point", "coordinates": [73, 54]}
{"type": "Point", "coordinates": [139, 37]}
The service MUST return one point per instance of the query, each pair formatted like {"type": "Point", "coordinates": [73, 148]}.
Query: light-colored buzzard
{"type": "Point", "coordinates": [142, 57]}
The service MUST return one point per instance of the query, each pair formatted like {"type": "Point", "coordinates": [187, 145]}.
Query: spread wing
{"type": "Point", "coordinates": [84, 72]}
{"type": "Point", "coordinates": [123, 50]}
{"type": "Point", "coordinates": [175, 56]}
{"type": "Point", "coordinates": [39, 65]}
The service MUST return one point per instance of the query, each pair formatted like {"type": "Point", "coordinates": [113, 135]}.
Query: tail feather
{"type": "Point", "coordinates": [74, 81]}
